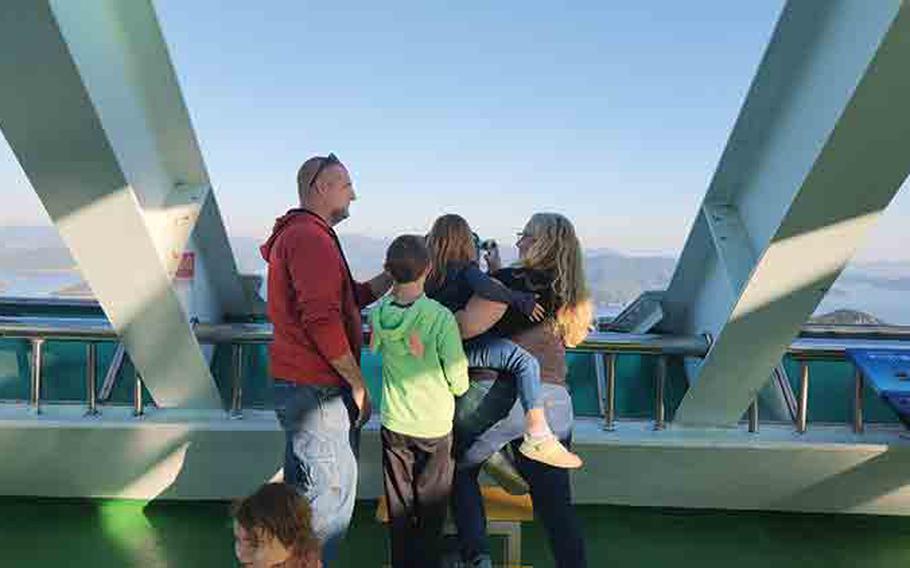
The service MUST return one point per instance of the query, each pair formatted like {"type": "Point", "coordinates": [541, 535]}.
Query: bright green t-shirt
{"type": "Point", "coordinates": [418, 393]}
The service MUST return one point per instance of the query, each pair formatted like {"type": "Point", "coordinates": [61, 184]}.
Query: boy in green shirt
{"type": "Point", "coordinates": [423, 369]}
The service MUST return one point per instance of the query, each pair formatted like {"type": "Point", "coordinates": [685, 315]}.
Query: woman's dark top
{"type": "Point", "coordinates": [465, 279]}
{"type": "Point", "coordinates": [538, 338]}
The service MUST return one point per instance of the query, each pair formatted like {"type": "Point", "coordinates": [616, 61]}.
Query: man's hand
{"type": "Point", "coordinates": [380, 284]}
{"type": "Point", "coordinates": [364, 406]}
{"type": "Point", "coordinates": [349, 370]}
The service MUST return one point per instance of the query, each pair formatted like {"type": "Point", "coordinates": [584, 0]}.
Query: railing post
{"type": "Point", "coordinates": [35, 387]}
{"type": "Point", "coordinates": [137, 395]}
{"type": "Point", "coordinates": [660, 379]}
{"type": "Point", "coordinates": [858, 425]}
{"type": "Point", "coordinates": [610, 409]}
{"type": "Point", "coordinates": [753, 416]}
{"type": "Point", "coordinates": [237, 380]}
{"type": "Point", "coordinates": [802, 417]}
{"type": "Point", "coordinates": [600, 376]}
{"type": "Point", "coordinates": [91, 378]}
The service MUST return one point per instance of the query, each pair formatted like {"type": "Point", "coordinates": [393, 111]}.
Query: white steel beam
{"type": "Point", "coordinates": [821, 146]}
{"type": "Point", "coordinates": [92, 110]}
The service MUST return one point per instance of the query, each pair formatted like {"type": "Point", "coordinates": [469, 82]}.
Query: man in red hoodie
{"type": "Point", "coordinates": [314, 304]}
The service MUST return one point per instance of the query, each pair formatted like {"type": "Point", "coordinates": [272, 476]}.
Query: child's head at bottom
{"type": "Point", "coordinates": [272, 527]}
{"type": "Point", "coordinates": [407, 260]}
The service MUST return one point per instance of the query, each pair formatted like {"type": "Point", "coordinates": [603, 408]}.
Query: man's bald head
{"type": "Point", "coordinates": [324, 186]}
{"type": "Point", "coordinates": [306, 175]}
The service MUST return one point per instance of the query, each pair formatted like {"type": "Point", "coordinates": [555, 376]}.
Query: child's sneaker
{"type": "Point", "coordinates": [500, 468]}
{"type": "Point", "coordinates": [549, 450]}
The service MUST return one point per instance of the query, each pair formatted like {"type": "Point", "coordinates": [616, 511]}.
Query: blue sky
{"type": "Point", "coordinates": [614, 113]}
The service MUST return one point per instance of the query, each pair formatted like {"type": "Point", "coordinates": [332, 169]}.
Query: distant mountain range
{"type": "Point", "coordinates": [615, 278]}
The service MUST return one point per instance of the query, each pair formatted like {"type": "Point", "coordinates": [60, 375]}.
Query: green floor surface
{"type": "Point", "coordinates": [46, 532]}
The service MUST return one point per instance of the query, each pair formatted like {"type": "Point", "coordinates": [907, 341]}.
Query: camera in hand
{"type": "Point", "coordinates": [487, 244]}
{"type": "Point", "coordinates": [483, 244]}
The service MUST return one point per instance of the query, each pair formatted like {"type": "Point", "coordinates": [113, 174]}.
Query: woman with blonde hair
{"type": "Point", "coordinates": [453, 280]}
{"type": "Point", "coordinates": [488, 418]}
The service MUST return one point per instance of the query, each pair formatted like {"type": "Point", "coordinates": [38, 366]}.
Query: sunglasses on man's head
{"type": "Point", "coordinates": [329, 160]}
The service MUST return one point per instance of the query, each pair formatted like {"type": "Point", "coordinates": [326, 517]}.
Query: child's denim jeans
{"type": "Point", "coordinates": [491, 352]}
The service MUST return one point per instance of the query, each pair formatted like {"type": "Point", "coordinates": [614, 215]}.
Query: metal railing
{"type": "Point", "coordinates": [815, 343]}
{"type": "Point", "coordinates": [827, 346]}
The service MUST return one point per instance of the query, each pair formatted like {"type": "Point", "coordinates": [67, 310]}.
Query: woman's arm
{"type": "Point", "coordinates": [478, 316]}
{"type": "Point", "coordinates": [488, 288]}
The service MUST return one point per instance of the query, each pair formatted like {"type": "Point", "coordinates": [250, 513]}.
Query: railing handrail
{"type": "Point", "coordinates": [96, 329]}
{"type": "Point", "coordinates": [835, 348]}
{"type": "Point", "coordinates": [855, 331]}
{"type": "Point", "coordinates": [15, 302]}
{"type": "Point", "coordinates": [815, 342]}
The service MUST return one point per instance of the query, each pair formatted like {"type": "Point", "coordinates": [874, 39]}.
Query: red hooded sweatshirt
{"type": "Point", "coordinates": [313, 301]}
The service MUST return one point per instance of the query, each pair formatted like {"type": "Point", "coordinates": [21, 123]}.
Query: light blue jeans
{"type": "Point", "coordinates": [487, 418]}
{"type": "Point", "coordinates": [320, 457]}
{"type": "Point", "coordinates": [492, 352]}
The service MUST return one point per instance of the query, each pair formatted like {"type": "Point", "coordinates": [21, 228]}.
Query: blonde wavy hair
{"type": "Point", "coordinates": [555, 248]}
{"type": "Point", "coordinates": [450, 240]}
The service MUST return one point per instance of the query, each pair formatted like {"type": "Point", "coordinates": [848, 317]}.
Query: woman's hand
{"type": "Point", "coordinates": [538, 313]}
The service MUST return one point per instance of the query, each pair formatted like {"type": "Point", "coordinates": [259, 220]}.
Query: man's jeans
{"type": "Point", "coordinates": [492, 352]}
{"type": "Point", "coordinates": [320, 455]}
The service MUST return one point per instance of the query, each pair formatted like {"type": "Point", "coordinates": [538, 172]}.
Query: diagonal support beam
{"type": "Point", "coordinates": [96, 119]}
{"type": "Point", "coordinates": [819, 150]}
{"type": "Point", "coordinates": [123, 63]}
{"type": "Point", "coordinates": [731, 244]}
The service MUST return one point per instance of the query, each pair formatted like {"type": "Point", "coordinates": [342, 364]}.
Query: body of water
{"type": "Point", "coordinates": [36, 284]}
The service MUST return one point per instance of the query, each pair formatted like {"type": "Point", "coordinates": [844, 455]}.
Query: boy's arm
{"type": "Point", "coordinates": [451, 355]}
{"type": "Point", "coordinates": [489, 288]}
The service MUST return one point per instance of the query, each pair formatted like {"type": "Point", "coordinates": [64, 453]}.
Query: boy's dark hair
{"type": "Point", "coordinates": [277, 509]}
{"type": "Point", "coordinates": [407, 258]}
